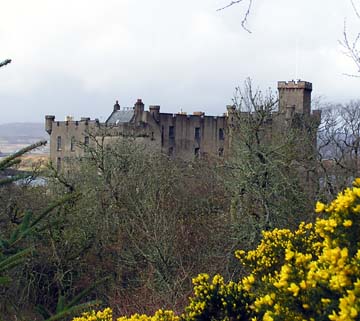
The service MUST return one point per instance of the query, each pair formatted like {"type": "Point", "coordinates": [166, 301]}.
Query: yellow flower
{"type": "Point", "coordinates": [294, 289]}
{"type": "Point", "coordinates": [320, 207]}
{"type": "Point", "coordinates": [289, 254]}
{"type": "Point", "coordinates": [267, 317]}
{"type": "Point", "coordinates": [347, 223]}
{"type": "Point", "coordinates": [356, 182]}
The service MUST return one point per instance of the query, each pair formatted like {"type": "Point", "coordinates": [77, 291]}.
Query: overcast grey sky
{"type": "Point", "coordinates": [76, 57]}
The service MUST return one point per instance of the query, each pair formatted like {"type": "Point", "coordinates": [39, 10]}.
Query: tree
{"type": "Point", "coordinates": [339, 148]}
{"type": "Point", "coordinates": [148, 221]}
{"type": "Point", "coordinates": [265, 169]}
{"type": "Point", "coordinates": [351, 43]}
{"type": "Point", "coordinates": [20, 240]}
{"type": "Point", "coordinates": [311, 273]}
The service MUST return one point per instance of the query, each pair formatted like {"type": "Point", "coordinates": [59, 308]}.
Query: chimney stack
{"type": "Point", "coordinates": [155, 111]}
{"type": "Point", "coordinates": [139, 106]}
{"type": "Point", "coordinates": [116, 106]}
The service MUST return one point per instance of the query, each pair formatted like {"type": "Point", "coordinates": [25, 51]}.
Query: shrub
{"type": "Point", "coordinates": [312, 273]}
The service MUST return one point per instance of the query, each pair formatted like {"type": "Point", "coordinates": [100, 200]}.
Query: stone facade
{"type": "Point", "coordinates": [177, 135]}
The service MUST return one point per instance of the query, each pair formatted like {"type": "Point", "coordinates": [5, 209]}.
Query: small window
{"type": "Point", "coordinates": [197, 152]}
{"type": "Point", "coordinates": [197, 133]}
{"type": "Point", "coordinates": [221, 152]}
{"type": "Point", "coordinates": [162, 135]}
{"type": "Point", "coordinates": [58, 146]}
{"type": "Point", "coordinates": [86, 141]}
{"type": "Point", "coordinates": [58, 164]}
{"type": "Point", "coordinates": [72, 144]}
{"type": "Point", "coordinates": [221, 134]}
{"type": "Point", "coordinates": [171, 151]}
{"type": "Point", "coordinates": [171, 132]}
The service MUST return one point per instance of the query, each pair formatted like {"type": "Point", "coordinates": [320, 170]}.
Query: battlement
{"type": "Point", "coordinates": [296, 95]}
{"type": "Point", "coordinates": [181, 134]}
{"type": "Point", "coordinates": [294, 85]}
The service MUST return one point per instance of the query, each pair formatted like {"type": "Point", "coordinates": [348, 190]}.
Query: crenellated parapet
{"type": "Point", "coordinates": [296, 95]}
{"type": "Point", "coordinates": [181, 134]}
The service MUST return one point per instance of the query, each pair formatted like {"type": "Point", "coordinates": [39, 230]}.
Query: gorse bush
{"type": "Point", "coordinates": [312, 273]}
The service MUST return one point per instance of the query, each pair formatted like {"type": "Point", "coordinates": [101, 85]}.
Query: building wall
{"type": "Point", "coordinates": [189, 136]}
{"type": "Point", "coordinates": [179, 135]}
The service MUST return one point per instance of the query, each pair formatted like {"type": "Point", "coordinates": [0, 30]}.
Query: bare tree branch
{"type": "Point", "coordinates": [5, 62]}
{"type": "Point", "coordinates": [246, 15]}
{"type": "Point", "coordinates": [355, 9]}
{"type": "Point", "coordinates": [351, 44]}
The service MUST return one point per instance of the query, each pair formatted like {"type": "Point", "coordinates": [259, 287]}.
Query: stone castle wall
{"type": "Point", "coordinates": [177, 135]}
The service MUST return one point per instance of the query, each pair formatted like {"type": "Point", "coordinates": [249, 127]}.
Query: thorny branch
{"type": "Point", "coordinates": [246, 15]}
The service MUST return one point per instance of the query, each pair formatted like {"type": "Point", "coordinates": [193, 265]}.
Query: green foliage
{"type": "Point", "coordinates": [14, 248]}
{"type": "Point", "coordinates": [145, 220]}
{"type": "Point", "coordinates": [11, 256]}
{"type": "Point", "coordinates": [266, 168]}
{"type": "Point", "coordinates": [311, 273]}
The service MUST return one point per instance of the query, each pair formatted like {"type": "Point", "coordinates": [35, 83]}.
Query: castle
{"type": "Point", "coordinates": [177, 135]}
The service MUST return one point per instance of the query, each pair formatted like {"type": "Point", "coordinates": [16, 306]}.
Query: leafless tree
{"type": "Point", "coordinates": [350, 43]}
{"type": "Point", "coordinates": [339, 148]}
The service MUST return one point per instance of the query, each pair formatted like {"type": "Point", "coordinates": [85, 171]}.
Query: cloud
{"type": "Point", "coordinates": [79, 56]}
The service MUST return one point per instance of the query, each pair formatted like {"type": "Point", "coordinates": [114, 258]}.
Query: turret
{"type": "Point", "coordinates": [155, 111]}
{"type": "Point", "coordinates": [49, 119]}
{"type": "Point", "coordinates": [295, 96]}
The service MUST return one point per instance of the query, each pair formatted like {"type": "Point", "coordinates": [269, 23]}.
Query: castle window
{"type": "Point", "coordinates": [162, 135]}
{"type": "Point", "coordinates": [72, 144]}
{"type": "Point", "coordinates": [197, 152]}
{"type": "Point", "coordinates": [221, 152]}
{"type": "Point", "coordinates": [58, 164]}
{"type": "Point", "coordinates": [58, 143]}
{"type": "Point", "coordinates": [171, 132]}
{"type": "Point", "coordinates": [221, 134]}
{"type": "Point", "coordinates": [197, 133]}
{"type": "Point", "coordinates": [86, 141]}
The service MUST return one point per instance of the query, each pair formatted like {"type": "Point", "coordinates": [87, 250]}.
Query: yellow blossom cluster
{"type": "Point", "coordinates": [311, 274]}
{"type": "Point", "coordinates": [106, 315]}
{"type": "Point", "coordinates": [319, 274]}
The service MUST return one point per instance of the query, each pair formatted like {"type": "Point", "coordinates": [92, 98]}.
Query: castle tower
{"type": "Point", "coordinates": [49, 119]}
{"type": "Point", "coordinates": [295, 97]}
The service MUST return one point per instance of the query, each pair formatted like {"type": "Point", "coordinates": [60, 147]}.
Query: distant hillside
{"type": "Point", "coordinates": [23, 129]}
{"type": "Point", "coordinates": [14, 136]}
